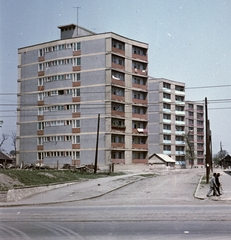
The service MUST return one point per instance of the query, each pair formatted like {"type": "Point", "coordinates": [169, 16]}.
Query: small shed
{"type": "Point", "coordinates": [4, 159]}
{"type": "Point", "coordinates": [161, 160]}
{"type": "Point", "coordinates": [225, 162]}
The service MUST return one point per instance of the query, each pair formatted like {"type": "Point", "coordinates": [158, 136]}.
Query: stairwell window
{"type": "Point", "coordinates": [77, 61]}
{"type": "Point", "coordinates": [76, 46]}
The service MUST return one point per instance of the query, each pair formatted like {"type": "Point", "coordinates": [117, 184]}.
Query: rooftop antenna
{"type": "Point", "coordinates": [77, 17]}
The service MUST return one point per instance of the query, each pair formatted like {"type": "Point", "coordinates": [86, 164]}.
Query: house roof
{"type": "Point", "coordinates": [226, 158]}
{"type": "Point", "coordinates": [3, 156]}
{"type": "Point", "coordinates": [162, 157]}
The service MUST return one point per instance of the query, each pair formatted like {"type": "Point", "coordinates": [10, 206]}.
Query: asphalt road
{"type": "Point", "coordinates": [116, 222]}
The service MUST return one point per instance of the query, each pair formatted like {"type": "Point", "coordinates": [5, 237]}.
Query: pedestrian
{"type": "Point", "coordinates": [213, 186]}
{"type": "Point", "coordinates": [217, 180]}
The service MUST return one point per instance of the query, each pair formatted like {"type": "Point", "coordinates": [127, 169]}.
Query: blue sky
{"type": "Point", "coordinates": [189, 41]}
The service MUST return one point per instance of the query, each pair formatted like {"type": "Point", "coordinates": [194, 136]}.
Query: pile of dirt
{"type": "Point", "coordinates": [7, 182]}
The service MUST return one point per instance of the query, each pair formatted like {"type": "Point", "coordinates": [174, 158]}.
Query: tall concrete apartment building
{"type": "Point", "coordinates": [171, 119]}
{"type": "Point", "coordinates": [195, 131]}
{"type": "Point", "coordinates": [64, 85]}
{"type": "Point", "coordinates": [167, 118]}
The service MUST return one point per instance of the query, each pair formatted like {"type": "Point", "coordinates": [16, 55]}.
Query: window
{"type": "Point", "coordinates": [40, 96]}
{"type": "Point", "coordinates": [179, 88]}
{"type": "Point", "coordinates": [76, 108]}
{"type": "Point", "coordinates": [40, 67]}
{"type": "Point", "coordinates": [136, 124]}
{"type": "Point", "coordinates": [138, 155]}
{"type": "Point", "coordinates": [118, 44]}
{"type": "Point", "coordinates": [76, 46]}
{"type": "Point", "coordinates": [179, 118]}
{"type": "Point", "coordinates": [117, 154]}
{"type": "Point", "coordinates": [118, 107]}
{"type": "Point", "coordinates": [77, 61]}
{"type": "Point", "coordinates": [179, 108]}
{"type": "Point", "coordinates": [117, 139]}
{"type": "Point", "coordinates": [179, 148]}
{"type": "Point", "coordinates": [138, 110]}
{"type": "Point", "coordinates": [40, 125]}
{"type": "Point", "coordinates": [166, 95]}
{"type": "Point", "coordinates": [117, 122]}
{"type": "Point", "coordinates": [166, 106]}
{"type": "Point", "coordinates": [76, 92]}
{"type": "Point", "coordinates": [40, 81]}
{"type": "Point", "coordinates": [39, 141]}
{"type": "Point", "coordinates": [167, 116]}
{"type": "Point", "coordinates": [75, 123]}
{"type": "Point", "coordinates": [40, 156]}
{"type": "Point", "coordinates": [40, 111]}
{"type": "Point", "coordinates": [118, 91]}
{"type": "Point", "coordinates": [167, 127]}
{"type": "Point", "coordinates": [41, 52]}
{"type": "Point", "coordinates": [75, 139]}
{"type": "Point", "coordinates": [166, 85]}
{"type": "Point", "coordinates": [75, 155]}
{"type": "Point", "coordinates": [118, 75]}
{"type": "Point", "coordinates": [118, 60]}
{"type": "Point", "coordinates": [138, 80]}
{"type": "Point", "coordinates": [179, 98]}
{"type": "Point", "coordinates": [76, 77]}
{"type": "Point", "coordinates": [138, 95]}
{"type": "Point", "coordinates": [167, 137]}
{"type": "Point", "coordinates": [180, 138]}
{"type": "Point", "coordinates": [167, 148]}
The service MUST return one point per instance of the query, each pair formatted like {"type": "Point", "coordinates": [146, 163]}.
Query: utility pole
{"type": "Point", "coordinates": [96, 148]}
{"type": "Point", "coordinates": [207, 160]}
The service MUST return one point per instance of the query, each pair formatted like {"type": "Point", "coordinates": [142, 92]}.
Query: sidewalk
{"type": "Point", "coordinates": [77, 191]}
{"type": "Point", "coordinates": [225, 179]}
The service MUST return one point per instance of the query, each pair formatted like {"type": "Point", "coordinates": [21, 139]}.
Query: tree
{"type": "Point", "coordinates": [189, 144]}
{"type": "Point", "coordinates": [14, 139]}
{"type": "Point", "coordinates": [218, 156]}
{"type": "Point", "coordinates": [2, 140]}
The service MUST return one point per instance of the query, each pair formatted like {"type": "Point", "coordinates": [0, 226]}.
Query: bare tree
{"type": "Point", "coordinates": [190, 153]}
{"type": "Point", "coordinates": [14, 139]}
{"type": "Point", "coordinates": [2, 140]}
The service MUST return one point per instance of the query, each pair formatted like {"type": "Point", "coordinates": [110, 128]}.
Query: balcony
{"type": "Point", "coordinates": [118, 51]}
{"type": "Point", "coordinates": [75, 146]}
{"type": "Point", "coordinates": [140, 116]}
{"type": "Point", "coordinates": [117, 113]}
{"type": "Point", "coordinates": [141, 86]}
{"type": "Point", "coordinates": [118, 161]}
{"type": "Point", "coordinates": [139, 146]}
{"type": "Point", "coordinates": [118, 128]}
{"type": "Point", "coordinates": [117, 145]}
{"type": "Point", "coordinates": [140, 101]}
{"type": "Point", "coordinates": [118, 66]}
{"type": "Point", "coordinates": [117, 98]}
{"type": "Point", "coordinates": [137, 160]}
{"type": "Point", "coordinates": [140, 72]}
{"type": "Point", "coordinates": [140, 57]}
{"type": "Point", "coordinates": [139, 131]}
{"type": "Point", "coordinates": [117, 81]}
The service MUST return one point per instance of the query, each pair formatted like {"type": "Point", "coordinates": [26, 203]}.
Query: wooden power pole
{"type": "Point", "coordinates": [97, 143]}
{"type": "Point", "coordinates": [207, 160]}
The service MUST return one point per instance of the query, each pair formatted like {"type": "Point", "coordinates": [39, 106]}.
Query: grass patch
{"type": "Point", "coordinates": [45, 177]}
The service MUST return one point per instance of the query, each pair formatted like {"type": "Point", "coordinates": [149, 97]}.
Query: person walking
{"type": "Point", "coordinates": [213, 186]}
{"type": "Point", "coordinates": [217, 180]}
